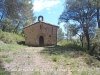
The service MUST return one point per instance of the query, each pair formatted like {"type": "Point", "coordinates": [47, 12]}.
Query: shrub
{"type": "Point", "coordinates": [71, 45]}
{"type": "Point", "coordinates": [10, 37]}
{"type": "Point", "coordinates": [91, 61]}
{"type": "Point", "coordinates": [8, 60]}
{"type": "Point", "coordinates": [5, 56]}
{"type": "Point", "coordinates": [54, 58]}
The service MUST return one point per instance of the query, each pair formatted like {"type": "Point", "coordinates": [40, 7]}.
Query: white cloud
{"type": "Point", "coordinates": [63, 23]}
{"type": "Point", "coordinates": [51, 12]}
{"type": "Point", "coordinates": [44, 4]}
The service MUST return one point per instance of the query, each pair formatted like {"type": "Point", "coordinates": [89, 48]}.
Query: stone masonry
{"type": "Point", "coordinates": [41, 33]}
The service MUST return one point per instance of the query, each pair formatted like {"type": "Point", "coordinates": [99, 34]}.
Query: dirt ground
{"type": "Point", "coordinates": [29, 61]}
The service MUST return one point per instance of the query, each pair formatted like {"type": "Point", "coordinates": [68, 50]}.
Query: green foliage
{"type": "Point", "coordinates": [83, 21]}
{"type": "Point", "coordinates": [55, 58]}
{"type": "Point", "coordinates": [0, 61]}
{"type": "Point", "coordinates": [70, 44]}
{"type": "Point", "coordinates": [3, 72]}
{"type": "Point", "coordinates": [8, 60]}
{"type": "Point", "coordinates": [10, 47]}
{"type": "Point", "coordinates": [36, 73]}
{"type": "Point", "coordinates": [60, 35]}
{"type": "Point", "coordinates": [95, 45]}
{"type": "Point", "coordinates": [91, 61]}
{"type": "Point", "coordinates": [80, 62]}
{"type": "Point", "coordinates": [75, 72]}
{"type": "Point", "coordinates": [84, 73]}
{"type": "Point", "coordinates": [7, 25]}
{"type": "Point", "coordinates": [5, 56]}
{"type": "Point", "coordinates": [71, 30]}
{"type": "Point", "coordinates": [15, 52]}
{"type": "Point", "coordinates": [63, 43]}
{"type": "Point", "coordinates": [12, 19]}
{"type": "Point", "coordinates": [10, 37]}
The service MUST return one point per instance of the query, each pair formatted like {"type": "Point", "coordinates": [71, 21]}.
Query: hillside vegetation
{"type": "Point", "coordinates": [68, 54]}
{"type": "Point", "coordinates": [69, 57]}
{"type": "Point", "coordinates": [9, 38]}
{"type": "Point", "coordinates": [8, 42]}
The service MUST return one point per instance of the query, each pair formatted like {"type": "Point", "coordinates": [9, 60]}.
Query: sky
{"type": "Point", "coordinates": [49, 9]}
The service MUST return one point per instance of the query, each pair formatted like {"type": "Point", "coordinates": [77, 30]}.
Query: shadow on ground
{"type": "Point", "coordinates": [71, 52]}
{"type": "Point", "coordinates": [3, 70]}
{"type": "Point", "coordinates": [62, 50]}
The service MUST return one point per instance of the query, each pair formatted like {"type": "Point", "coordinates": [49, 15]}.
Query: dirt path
{"type": "Point", "coordinates": [29, 61]}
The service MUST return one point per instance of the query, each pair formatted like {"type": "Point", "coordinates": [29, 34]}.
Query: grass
{"type": "Point", "coordinates": [92, 62]}
{"type": "Point", "coordinates": [10, 41]}
{"type": "Point", "coordinates": [5, 56]}
{"type": "Point", "coordinates": [29, 62]}
{"type": "Point", "coordinates": [27, 53]}
{"type": "Point", "coordinates": [15, 52]}
{"type": "Point", "coordinates": [36, 73]}
{"type": "Point", "coordinates": [17, 72]}
{"type": "Point", "coordinates": [68, 54]}
{"type": "Point", "coordinates": [10, 47]}
{"type": "Point", "coordinates": [9, 44]}
{"type": "Point", "coordinates": [3, 72]}
{"type": "Point", "coordinates": [8, 60]}
{"type": "Point", "coordinates": [0, 61]}
{"type": "Point", "coordinates": [10, 37]}
{"type": "Point", "coordinates": [55, 58]}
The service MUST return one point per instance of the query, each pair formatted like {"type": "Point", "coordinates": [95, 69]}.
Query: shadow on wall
{"type": "Point", "coordinates": [2, 70]}
{"type": "Point", "coordinates": [41, 43]}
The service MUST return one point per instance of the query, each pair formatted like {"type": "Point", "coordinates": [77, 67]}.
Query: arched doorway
{"type": "Point", "coordinates": [41, 41]}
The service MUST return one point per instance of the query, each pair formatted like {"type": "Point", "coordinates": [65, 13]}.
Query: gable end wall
{"type": "Point", "coordinates": [33, 32]}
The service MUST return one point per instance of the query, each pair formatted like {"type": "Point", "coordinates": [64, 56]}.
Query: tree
{"type": "Point", "coordinates": [60, 35]}
{"type": "Point", "coordinates": [7, 25]}
{"type": "Point", "coordinates": [95, 49]}
{"type": "Point", "coordinates": [83, 12]}
{"type": "Point", "coordinates": [96, 4]}
{"type": "Point", "coordinates": [19, 11]}
{"type": "Point", "coordinates": [71, 30]}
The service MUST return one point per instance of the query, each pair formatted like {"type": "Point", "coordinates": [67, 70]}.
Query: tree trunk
{"type": "Point", "coordinates": [81, 39]}
{"type": "Point", "coordinates": [15, 30]}
{"type": "Point", "coordinates": [87, 37]}
{"type": "Point", "coordinates": [88, 41]}
{"type": "Point", "coordinates": [3, 28]}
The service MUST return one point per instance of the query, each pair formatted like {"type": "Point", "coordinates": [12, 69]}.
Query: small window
{"type": "Point", "coordinates": [49, 35]}
{"type": "Point", "coordinates": [45, 28]}
{"type": "Point", "coordinates": [40, 27]}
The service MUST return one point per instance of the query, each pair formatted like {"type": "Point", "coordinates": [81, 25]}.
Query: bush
{"type": "Point", "coordinates": [5, 56]}
{"type": "Point", "coordinates": [55, 58]}
{"type": "Point", "coordinates": [10, 37]}
{"type": "Point", "coordinates": [95, 45]}
{"type": "Point", "coordinates": [91, 61]}
{"type": "Point", "coordinates": [71, 45]}
{"type": "Point", "coordinates": [8, 60]}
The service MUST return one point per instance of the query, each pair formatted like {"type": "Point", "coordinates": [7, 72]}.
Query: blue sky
{"type": "Point", "coordinates": [49, 9]}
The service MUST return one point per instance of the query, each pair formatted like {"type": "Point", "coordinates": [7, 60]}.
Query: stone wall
{"type": "Point", "coordinates": [33, 32]}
